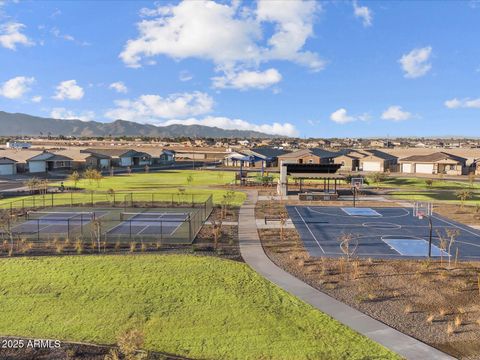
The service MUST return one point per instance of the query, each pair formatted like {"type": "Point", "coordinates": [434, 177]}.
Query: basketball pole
{"type": "Point", "coordinates": [354, 195]}
{"type": "Point", "coordinates": [430, 238]}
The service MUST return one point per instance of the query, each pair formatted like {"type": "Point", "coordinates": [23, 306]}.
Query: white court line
{"type": "Point", "coordinates": [458, 227]}
{"type": "Point", "coordinates": [308, 228]}
{"type": "Point", "coordinates": [407, 213]}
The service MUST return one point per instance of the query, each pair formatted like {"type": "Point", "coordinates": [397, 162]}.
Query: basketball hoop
{"type": "Point", "coordinates": [422, 210]}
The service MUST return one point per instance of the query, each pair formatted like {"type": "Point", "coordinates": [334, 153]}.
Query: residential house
{"type": "Point", "coordinates": [307, 156]}
{"type": "Point", "coordinates": [161, 156]}
{"type": "Point", "coordinates": [105, 158]}
{"type": "Point", "coordinates": [378, 161]}
{"type": "Point", "coordinates": [48, 161]}
{"type": "Point", "coordinates": [435, 163]}
{"type": "Point", "coordinates": [256, 157]}
{"type": "Point", "coordinates": [7, 166]}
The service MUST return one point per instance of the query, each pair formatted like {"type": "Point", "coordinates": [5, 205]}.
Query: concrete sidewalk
{"type": "Point", "coordinates": [253, 254]}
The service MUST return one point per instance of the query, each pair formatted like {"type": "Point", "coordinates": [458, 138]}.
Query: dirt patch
{"type": "Point", "coordinates": [467, 215]}
{"type": "Point", "coordinates": [435, 303]}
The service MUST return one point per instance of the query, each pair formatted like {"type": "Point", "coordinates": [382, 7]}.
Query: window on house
{"type": "Point", "coordinates": [300, 161]}
{"type": "Point", "coordinates": [310, 161]}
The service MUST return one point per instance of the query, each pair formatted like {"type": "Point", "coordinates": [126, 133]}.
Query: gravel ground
{"type": "Point", "coordinates": [419, 298]}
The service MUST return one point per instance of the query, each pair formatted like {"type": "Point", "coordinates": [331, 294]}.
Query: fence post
{"type": "Point", "coordinates": [52, 199]}
{"type": "Point", "coordinates": [43, 200]}
{"type": "Point", "coordinates": [189, 228]}
{"type": "Point", "coordinates": [113, 199]}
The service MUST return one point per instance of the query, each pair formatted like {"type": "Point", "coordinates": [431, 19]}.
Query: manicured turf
{"type": "Point", "coordinates": [194, 306]}
{"type": "Point", "coordinates": [420, 184]}
{"type": "Point", "coordinates": [432, 195]}
{"type": "Point", "coordinates": [162, 182]}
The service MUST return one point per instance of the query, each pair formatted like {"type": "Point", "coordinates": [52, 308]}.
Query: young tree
{"type": "Point", "coordinates": [32, 184]}
{"type": "Point", "coordinates": [216, 232]}
{"type": "Point", "coordinates": [74, 177]}
{"type": "Point", "coordinates": [348, 245]}
{"type": "Point", "coordinates": [89, 175]}
{"type": "Point", "coordinates": [97, 176]}
{"type": "Point", "coordinates": [464, 195]}
{"type": "Point", "coordinates": [429, 183]}
{"type": "Point", "coordinates": [471, 178]}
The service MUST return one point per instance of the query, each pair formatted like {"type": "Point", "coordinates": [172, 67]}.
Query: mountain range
{"type": "Point", "coordinates": [18, 124]}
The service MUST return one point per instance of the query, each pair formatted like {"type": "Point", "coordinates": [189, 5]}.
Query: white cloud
{"type": "Point", "coordinates": [150, 108]}
{"type": "Point", "coordinates": [56, 32]}
{"type": "Point", "coordinates": [37, 98]}
{"type": "Point", "coordinates": [341, 117]}
{"type": "Point", "coordinates": [247, 79]}
{"type": "Point", "coordinates": [16, 87]}
{"type": "Point", "coordinates": [415, 63]}
{"type": "Point", "coordinates": [364, 13]}
{"type": "Point", "coordinates": [11, 35]}
{"type": "Point", "coordinates": [185, 76]}
{"type": "Point", "coordinates": [396, 113]}
{"type": "Point", "coordinates": [285, 129]}
{"type": "Point", "coordinates": [119, 87]}
{"type": "Point", "coordinates": [226, 34]}
{"type": "Point", "coordinates": [462, 103]}
{"type": "Point", "coordinates": [62, 113]}
{"type": "Point", "coordinates": [69, 89]}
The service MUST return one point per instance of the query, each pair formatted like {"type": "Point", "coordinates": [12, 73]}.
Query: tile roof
{"type": "Point", "coordinates": [434, 157]}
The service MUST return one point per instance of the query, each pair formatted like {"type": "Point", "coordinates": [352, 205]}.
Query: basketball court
{"type": "Point", "coordinates": [390, 233]}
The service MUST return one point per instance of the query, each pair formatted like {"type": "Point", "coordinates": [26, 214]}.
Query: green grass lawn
{"type": "Point", "coordinates": [162, 182]}
{"type": "Point", "coordinates": [434, 196]}
{"type": "Point", "coordinates": [200, 307]}
{"type": "Point", "coordinates": [419, 183]}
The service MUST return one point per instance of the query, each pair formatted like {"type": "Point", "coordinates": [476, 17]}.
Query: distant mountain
{"type": "Point", "coordinates": [23, 124]}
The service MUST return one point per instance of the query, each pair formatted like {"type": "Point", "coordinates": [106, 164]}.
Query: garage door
{"type": "Point", "coordinates": [37, 166]}
{"type": "Point", "coordinates": [407, 168]}
{"type": "Point", "coordinates": [371, 166]}
{"type": "Point", "coordinates": [6, 169]}
{"type": "Point", "coordinates": [424, 168]}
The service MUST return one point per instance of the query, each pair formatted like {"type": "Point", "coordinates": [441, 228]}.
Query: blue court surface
{"type": "Point", "coordinates": [380, 232]}
{"type": "Point", "coordinates": [150, 224]}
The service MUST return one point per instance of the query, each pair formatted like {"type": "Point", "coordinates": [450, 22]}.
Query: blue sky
{"type": "Point", "coordinates": [312, 69]}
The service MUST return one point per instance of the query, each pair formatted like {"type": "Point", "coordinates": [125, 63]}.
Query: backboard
{"type": "Point", "coordinates": [422, 209]}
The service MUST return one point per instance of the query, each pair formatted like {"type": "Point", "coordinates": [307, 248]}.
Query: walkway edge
{"type": "Point", "coordinates": [252, 252]}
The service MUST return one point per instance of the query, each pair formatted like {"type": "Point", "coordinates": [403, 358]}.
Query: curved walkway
{"type": "Point", "coordinates": [253, 254]}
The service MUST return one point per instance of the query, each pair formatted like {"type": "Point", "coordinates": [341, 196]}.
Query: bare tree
{"type": "Point", "coordinates": [464, 195]}
{"type": "Point", "coordinates": [216, 232]}
{"type": "Point", "coordinates": [348, 245]}
{"type": "Point", "coordinates": [447, 239]}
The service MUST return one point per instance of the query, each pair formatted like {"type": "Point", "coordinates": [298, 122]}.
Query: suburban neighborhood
{"type": "Point", "coordinates": [239, 180]}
